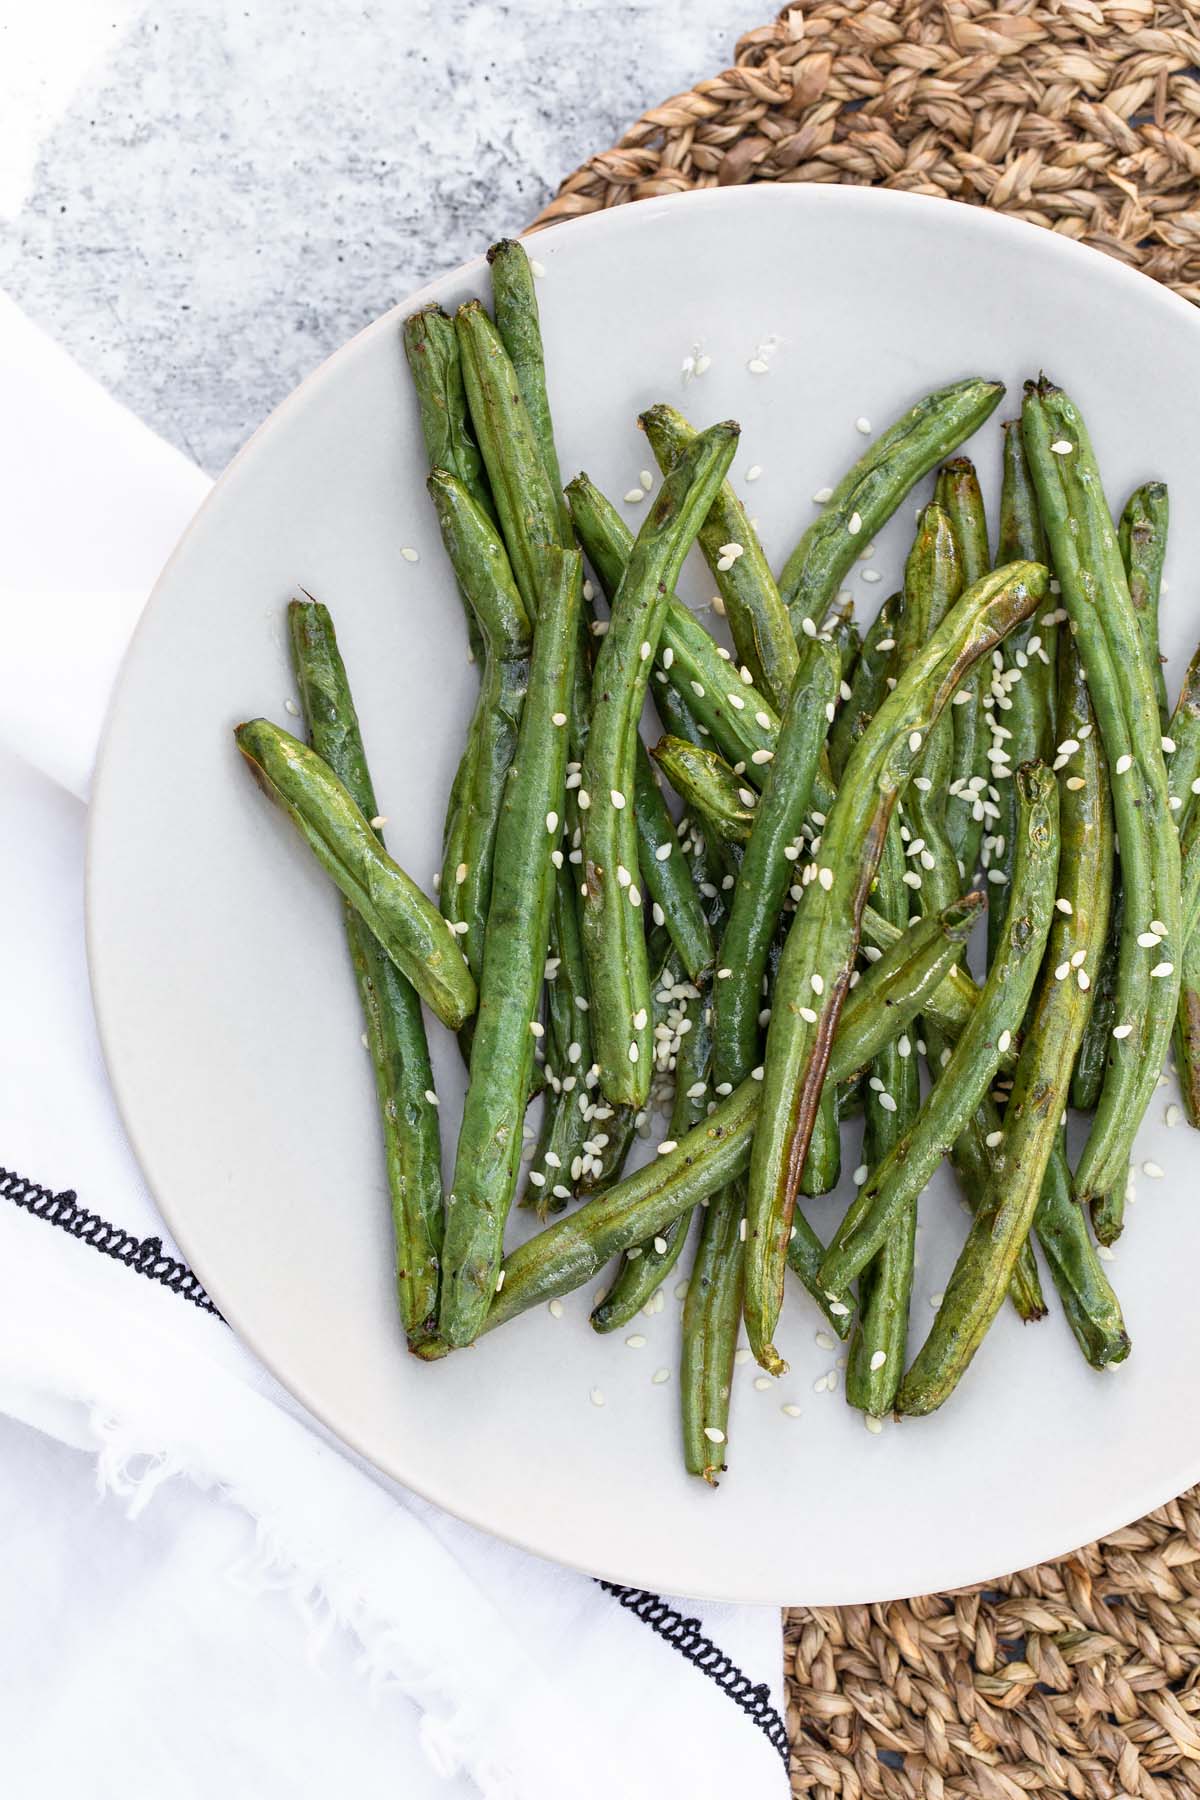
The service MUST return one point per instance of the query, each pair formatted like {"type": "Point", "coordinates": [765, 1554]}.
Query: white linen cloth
{"type": "Point", "coordinates": [200, 1591]}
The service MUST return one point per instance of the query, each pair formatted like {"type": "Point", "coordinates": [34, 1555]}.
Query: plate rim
{"type": "Point", "coordinates": [1095, 1520]}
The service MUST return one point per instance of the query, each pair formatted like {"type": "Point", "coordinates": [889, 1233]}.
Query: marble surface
{"type": "Point", "coordinates": [230, 191]}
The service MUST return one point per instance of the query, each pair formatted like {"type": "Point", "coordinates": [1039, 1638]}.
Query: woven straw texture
{"type": "Point", "coordinates": [1080, 115]}
{"type": "Point", "coordinates": [1080, 1678]}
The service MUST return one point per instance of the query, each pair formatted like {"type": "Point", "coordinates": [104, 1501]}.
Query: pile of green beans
{"type": "Point", "coordinates": [755, 927]}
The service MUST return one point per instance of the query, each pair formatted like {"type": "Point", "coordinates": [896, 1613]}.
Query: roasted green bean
{"type": "Point", "coordinates": [408, 925]}
{"type": "Point", "coordinates": [823, 939]}
{"type": "Point", "coordinates": [486, 1161]}
{"type": "Point", "coordinates": [391, 1009]}
{"type": "Point", "coordinates": [865, 498]}
{"type": "Point", "coordinates": [967, 1074]}
{"type": "Point", "coordinates": [1096, 595]}
{"type": "Point", "coordinates": [758, 619]}
{"type": "Point", "coordinates": [613, 936]}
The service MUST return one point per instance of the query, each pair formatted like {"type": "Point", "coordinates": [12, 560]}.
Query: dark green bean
{"type": "Point", "coordinates": [1096, 594]}
{"type": "Point", "coordinates": [391, 1008]}
{"type": "Point", "coordinates": [407, 924]}
{"type": "Point", "coordinates": [487, 1159]}
{"type": "Point", "coordinates": [758, 619]}
{"type": "Point", "coordinates": [823, 940]}
{"type": "Point", "coordinates": [1142, 535]}
{"type": "Point", "coordinates": [967, 1075]}
{"type": "Point", "coordinates": [869, 494]}
{"type": "Point", "coordinates": [613, 936]}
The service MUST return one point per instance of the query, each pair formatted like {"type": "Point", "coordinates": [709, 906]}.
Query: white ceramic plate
{"type": "Point", "coordinates": [230, 1022]}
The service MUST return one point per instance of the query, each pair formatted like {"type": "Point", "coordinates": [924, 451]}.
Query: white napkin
{"type": "Point", "coordinates": [249, 1604]}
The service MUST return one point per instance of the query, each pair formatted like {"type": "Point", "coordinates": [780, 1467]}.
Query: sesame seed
{"type": "Point", "coordinates": [758, 365]}
{"type": "Point", "coordinates": [703, 364]}
{"type": "Point", "coordinates": [646, 479]}
{"type": "Point", "coordinates": [757, 1074]}
{"type": "Point", "coordinates": [997, 877]}
{"type": "Point", "coordinates": [460, 874]}
{"type": "Point", "coordinates": [1062, 971]}
{"type": "Point", "coordinates": [379, 821]}
{"type": "Point", "coordinates": [817, 984]}
{"type": "Point", "coordinates": [1121, 1031]}
{"type": "Point", "coordinates": [1173, 1115]}
{"type": "Point", "coordinates": [863, 425]}
{"type": "Point", "coordinates": [887, 1103]}
{"type": "Point", "coordinates": [289, 706]}
{"type": "Point", "coordinates": [873, 1425]}
{"type": "Point", "coordinates": [808, 628]}
{"type": "Point", "coordinates": [500, 1280]}
{"type": "Point", "coordinates": [714, 1435]}
{"type": "Point", "coordinates": [993, 1138]}
{"type": "Point", "coordinates": [807, 1014]}
{"type": "Point", "coordinates": [537, 1178]}
{"type": "Point", "coordinates": [559, 718]}
{"type": "Point", "coordinates": [911, 878]}
{"type": "Point", "coordinates": [1124, 764]}
{"type": "Point", "coordinates": [1157, 925]}
{"type": "Point", "coordinates": [886, 644]}
{"type": "Point", "coordinates": [551, 821]}
{"type": "Point", "coordinates": [854, 524]}
{"type": "Point", "coordinates": [432, 1097]}
{"type": "Point", "coordinates": [617, 798]}
{"type": "Point", "coordinates": [659, 1376]}
{"type": "Point", "coordinates": [935, 1300]}
{"type": "Point", "coordinates": [1003, 1041]}
{"type": "Point", "coordinates": [461, 928]}
{"type": "Point", "coordinates": [878, 1359]}
{"type": "Point", "coordinates": [1148, 940]}
{"type": "Point", "coordinates": [839, 1309]}
{"type": "Point", "coordinates": [634, 495]}
{"type": "Point", "coordinates": [537, 1029]}
{"type": "Point", "coordinates": [1075, 782]}
{"type": "Point", "coordinates": [585, 799]}
{"type": "Point", "coordinates": [597, 1397]}
{"type": "Point", "coordinates": [633, 1052]}
{"type": "Point", "coordinates": [746, 677]}
{"type": "Point", "coordinates": [1153, 1170]}
{"type": "Point", "coordinates": [763, 756]}
{"type": "Point", "coordinates": [825, 877]}
{"type": "Point", "coordinates": [1078, 959]}
{"type": "Point", "coordinates": [1061, 447]}
{"type": "Point", "coordinates": [914, 741]}
{"type": "Point", "coordinates": [1161, 970]}
{"type": "Point", "coordinates": [822, 495]}
{"type": "Point", "coordinates": [409, 554]}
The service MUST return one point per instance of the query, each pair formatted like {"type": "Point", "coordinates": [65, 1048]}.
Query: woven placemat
{"type": "Point", "coordinates": [1081, 1677]}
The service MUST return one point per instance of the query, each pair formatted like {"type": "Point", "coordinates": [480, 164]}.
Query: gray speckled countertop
{"type": "Point", "coordinates": [232, 190]}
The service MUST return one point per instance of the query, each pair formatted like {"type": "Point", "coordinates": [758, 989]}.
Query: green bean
{"type": "Point", "coordinates": [407, 924]}
{"type": "Point", "coordinates": [574, 1249]}
{"type": "Point", "coordinates": [1022, 689]}
{"type": "Point", "coordinates": [486, 1163]}
{"type": "Point", "coordinates": [932, 581]}
{"type": "Point", "coordinates": [841, 630]}
{"type": "Point", "coordinates": [613, 938]}
{"type": "Point", "coordinates": [1092, 1059]}
{"type": "Point", "coordinates": [823, 939]}
{"type": "Point", "coordinates": [767, 872]}
{"type": "Point", "coordinates": [704, 780]}
{"type": "Point", "coordinates": [665, 874]}
{"type": "Point", "coordinates": [481, 564]}
{"type": "Point", "coordinates": [758, 619]}
{"type": "Point", "coordinates": [1187, 1025]}
{"type": "Point", "coordinates": [557, 1161]}
{"type": "Point", "coordinates": [877, 1348]}
{"type": "Point", "coordinates": [517, 321]}
{"type": "Point", "coordinates": [431, 346]}
{"type": "Point", "coordinates": [711, 1315]}
{"type": "Point", "coordinates": [1096, 595]}
{"type": "Point", "coordinates": [1142, 535]}
{"type": "Point", "coordinates": [1032, 1119]}
{"type": "Point", "coordinates": [1184, 732]}
{"type": "Point", "coordinates": [526, 503]}
{"type": "Point", "coordinates": [868, 687]}
{"type": "Point", "coordinates": [391, 1008]}
{"type": "Point", "coordinates": [724, 702]}
{"type": "Point", "coordinates": [642, 1274]}
{"type": "Point", "coordinates": [869, 494]}
{"type": "Point", "coordinates": [966, 1077]}
{"type": "Point", "coordinates": [1091, 1307]}
{"type": "Point", "coordinates": [959, 496]}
